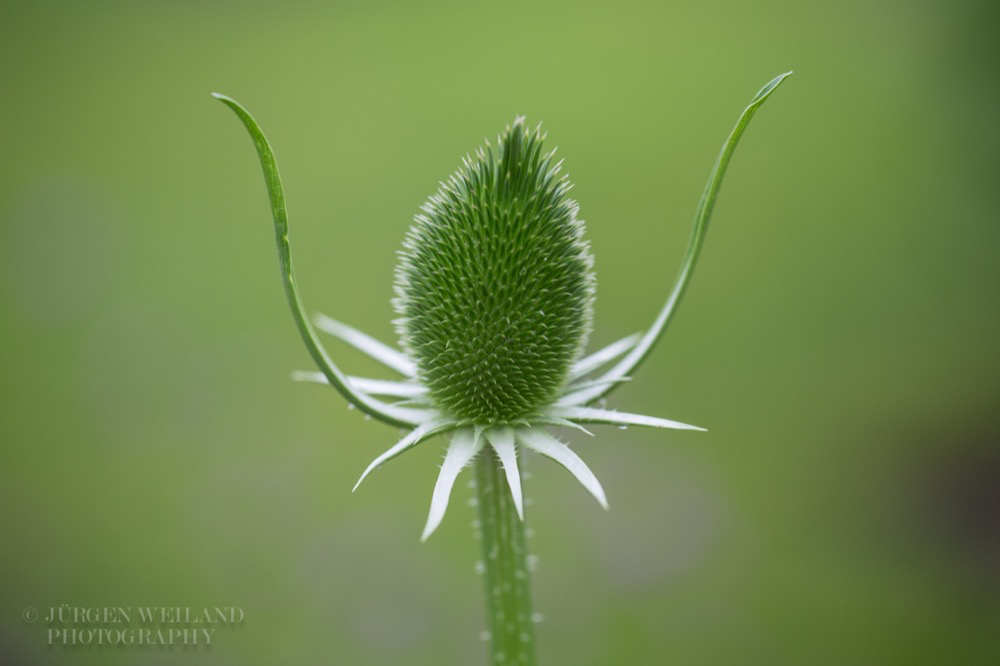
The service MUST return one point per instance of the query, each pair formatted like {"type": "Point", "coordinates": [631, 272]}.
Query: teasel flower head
{"type": "Point", "coordinates": [495, 286]}
{"type": "Point", "coordinates": [494, 292]}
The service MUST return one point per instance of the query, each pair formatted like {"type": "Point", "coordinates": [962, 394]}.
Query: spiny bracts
{"type": "Point", "coordinates": [495, 285]}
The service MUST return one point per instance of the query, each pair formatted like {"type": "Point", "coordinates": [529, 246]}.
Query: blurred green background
{"type": "Point", "coordinates": [839, 340]}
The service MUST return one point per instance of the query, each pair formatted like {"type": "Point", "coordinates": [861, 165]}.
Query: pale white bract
{"type": "Point", "coordinates": [468, 439]}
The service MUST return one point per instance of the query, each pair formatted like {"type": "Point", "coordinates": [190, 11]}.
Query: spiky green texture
{"type": "Point", "coordinates": [495, 285]}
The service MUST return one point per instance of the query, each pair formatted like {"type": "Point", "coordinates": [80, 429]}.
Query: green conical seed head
{"type": "Point", "coordinates": [495, 286]}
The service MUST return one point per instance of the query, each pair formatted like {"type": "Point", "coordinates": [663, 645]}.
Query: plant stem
{"type": "Point", "coordinates": [505, 560]}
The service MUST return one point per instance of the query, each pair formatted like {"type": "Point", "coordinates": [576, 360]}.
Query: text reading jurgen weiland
{"type": "Point", "coordinates": [157, 625]}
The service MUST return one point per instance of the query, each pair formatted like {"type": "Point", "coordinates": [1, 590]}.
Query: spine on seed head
{"type": "Point", "coordinates": [495, 284]}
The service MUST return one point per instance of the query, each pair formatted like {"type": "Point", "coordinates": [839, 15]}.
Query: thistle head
{"type": "Point", "coordinates": [495, 294]}
{"type": "Point", "coordinates": [495, 286]}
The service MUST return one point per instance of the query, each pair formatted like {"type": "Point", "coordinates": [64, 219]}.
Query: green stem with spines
{"type": "Point", "coordinates": [506, 579]}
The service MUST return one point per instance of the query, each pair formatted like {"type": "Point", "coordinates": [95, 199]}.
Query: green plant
{"type": "Point", "coordinates": [495, 296]}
